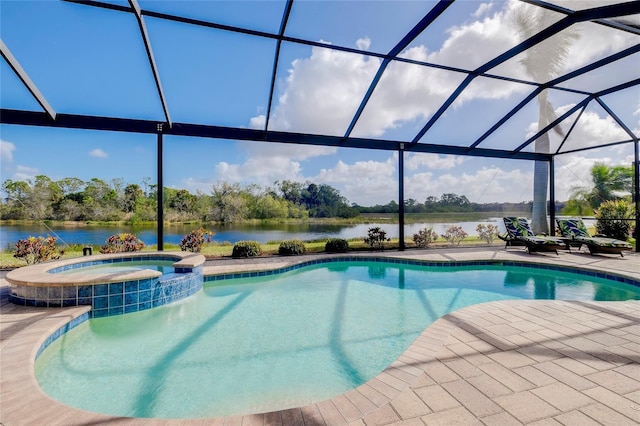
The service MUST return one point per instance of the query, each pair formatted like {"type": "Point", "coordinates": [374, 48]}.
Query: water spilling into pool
{"type": "Point", "coordinates": [262, 344]}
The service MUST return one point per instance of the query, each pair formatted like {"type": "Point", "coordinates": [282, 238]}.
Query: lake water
{"type": "Point", "coordinates": [10, 234]}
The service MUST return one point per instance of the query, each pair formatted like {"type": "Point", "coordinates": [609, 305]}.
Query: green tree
{"type": "Point", "coordinates": [17, 193]}
{"type": "Point", "coordinates": [291, 191]}
{"type": "Point", "coordinates": [543, 62]}
{"type": "Point", "coordinates": [132, 193]}
{"type": "Point", "coordinates": [229, 204]}
{"type": "Point", "coordinates": [608, 183]}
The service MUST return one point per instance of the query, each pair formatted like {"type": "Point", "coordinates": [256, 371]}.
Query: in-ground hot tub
{"type": "Point", "coordinates": [112, 284]}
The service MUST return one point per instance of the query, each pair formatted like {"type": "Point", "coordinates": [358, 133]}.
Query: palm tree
{"type": "Point", "coordinates": [543, 62]}
{"type": "Point", "coordinates": [608, 184]}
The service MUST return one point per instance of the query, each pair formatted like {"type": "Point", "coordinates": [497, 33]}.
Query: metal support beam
{"type": "Point", "coordinates": [431, 16]}
{"type": "Point", "coordinates": [552, 197]}
{"type": "Point", "coordinates": [160, 190]}
{"type": "Point", "coordinates": [616, 118]}
{"type": "Point", "coordinates": [608, 11]}
{"type": "Point", "coordinates": [283, 26]}
{"type": "Point", "coordinates": [573, 125]}
{"type": "Point", "coordinates": [24, 77]}
{"type": "Point", "coordinates": [401, 246]}
{"type": "Point", "coordinates": [87, 122]}
{"type": "Point", "coordinates": [152, 62]}
{"type": "Point", "coordinates": [636, 191]}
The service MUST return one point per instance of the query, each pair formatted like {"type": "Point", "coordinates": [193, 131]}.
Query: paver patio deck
{"type": "Point", "coordinates": [498, 363]}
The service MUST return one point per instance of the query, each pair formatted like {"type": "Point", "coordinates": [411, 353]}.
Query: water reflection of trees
{"type": "Point", "coordinates": [377, 272]}
{"type": "Point", "coordinates": [605, 292]}
{"type": "Point", "coordinates": [544, 287]}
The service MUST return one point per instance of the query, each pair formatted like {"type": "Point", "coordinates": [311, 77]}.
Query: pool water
{"type": "Point", "coordinates": [166, 267]}
{"type": "Point", "coordinates": [262, 344]}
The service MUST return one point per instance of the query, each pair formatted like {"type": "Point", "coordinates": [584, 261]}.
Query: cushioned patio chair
{"type": "Point", "coordinates": [519, 230]}
{"type": "Point", "coordinates": [510, 240]}
{"type": "Point", "coordinates": [577, 231]}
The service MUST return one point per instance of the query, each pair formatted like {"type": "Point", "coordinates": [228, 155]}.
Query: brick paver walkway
{"type": "Point", "coordinates": [498, 363]}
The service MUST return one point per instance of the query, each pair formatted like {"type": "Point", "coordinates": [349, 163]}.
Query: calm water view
{"type": "Point", "coordinates": [232, 233]}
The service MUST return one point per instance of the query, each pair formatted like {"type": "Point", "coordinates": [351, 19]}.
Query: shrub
{"type": "Point", "coordinates": [291, 247]}
{"type": "Point", "coordinates": [611, 217]}
{"type": "Point", "coordinates": [376, 237]}
{"type": "Point", "coordinates": [37, 249]}
{"type": "Point", "coordinates": [454, 234]}
{"type": "Point", "coordinates": [119, 243]}
{"type": "Point", "coordinates": [246, 249]}
{"type": "Point", "coordinates": [488, 232]}
{"type": "Point", "coordinates": [194, 240]}
{"type": "Point", "coordinates": [424, 237]}
{"type": "Point", "coordinates": [336, 245]}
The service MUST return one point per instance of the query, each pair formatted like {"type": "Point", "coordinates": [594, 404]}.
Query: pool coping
{"type": "Point", "coordinates": [382, 400]}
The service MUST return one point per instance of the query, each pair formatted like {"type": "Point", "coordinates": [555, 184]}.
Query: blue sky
{"type": "Point", "coordinates": [92, 61]}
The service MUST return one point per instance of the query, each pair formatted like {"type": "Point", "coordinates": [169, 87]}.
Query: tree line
{"type": "Point", "coordinates": [448, 203]}
{"type": "Point", "coordinates": [72, 199]}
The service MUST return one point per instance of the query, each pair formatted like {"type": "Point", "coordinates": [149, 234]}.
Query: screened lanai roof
{"type": "Point", "coordinates": [412, 75]}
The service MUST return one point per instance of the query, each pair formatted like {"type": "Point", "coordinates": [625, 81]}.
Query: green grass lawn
{"type": "Point", "coordinates": [220, 250]}
{"type": "Point", "coordinates": [216, 250]}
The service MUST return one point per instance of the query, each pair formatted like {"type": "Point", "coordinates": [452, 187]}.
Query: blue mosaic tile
{"type": "Point", "coordinates": [55, 303]}
{"type": "Point", "coordinates": [100, 290]}
{"type": "Point", "coordinates": [84, 300]}
{"type": "Point", "coordinates": [144, 296]}
{"type": "Point", "coordinates": [100, 302]}
{"type": "Point", "coordinates": [99, 313]}
{"type": "Point", "coordinates": [130, 308]}
{"type": "Point", "coordinates": [145, 305]}
{"type": "Point", "coordinates": [69, 292]}
{"type": "Point", "coordinates": [116, 288]}
{"type": "Point", "coordinates": [85, 291]}
{"type": "Point", "coordinates": [116, 311]}
{"type": "Point", "coordinates": [69, 302]}
{"type": "Point", "coordinates": [131, 298]}
{"type": "Point", "coordinates": [130, 286]}
{"type": "Point", "coordinates": [145, 284]}
{"type": "Point", "coordinates": [55, 293]}
{"type": "Point", "coordinates": [116, 300]}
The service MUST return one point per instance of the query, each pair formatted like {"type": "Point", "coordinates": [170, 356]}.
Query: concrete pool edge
{"type": "Point", "coordinates": [373, 401]}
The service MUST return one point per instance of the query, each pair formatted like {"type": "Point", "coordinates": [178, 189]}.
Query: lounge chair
{"type": "Point", "coordinates": [577, 231]}
{"type": "Point", "coordinates": [518, 230]}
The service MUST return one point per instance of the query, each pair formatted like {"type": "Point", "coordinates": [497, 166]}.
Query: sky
{"type": "Point", "coordinates": [86, 60]}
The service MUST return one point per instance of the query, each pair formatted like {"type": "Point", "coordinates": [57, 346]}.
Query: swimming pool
{"type": "Point", "coordinates": [272, 342]}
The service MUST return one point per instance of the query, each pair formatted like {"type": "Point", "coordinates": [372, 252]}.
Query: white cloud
{"type": "Point", "coordinates": [482, 186]}
{"type": "Point", "coordinates": [363, 182]}
{"type": "Point", "coordinates": [590, 130]}
{"type": "Point", "coordinates": [25, 173]}
{"type": "Point", "coordinates": [98, 153]}
{"type": "Point", "coordinates": [376, 182]}
{"type": "Point", "coordinates": [432, 161]}
{"type": "Point", "coordinates": [363, 43]}
{"type": "Point", "coordinates": [483, 9]}
{"type": "Point", "coordinates": [322, 92]}
{"type": "Point", "coordinates": [6, 151]}
{"type": "Point", "coordinates": [268, 162]}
